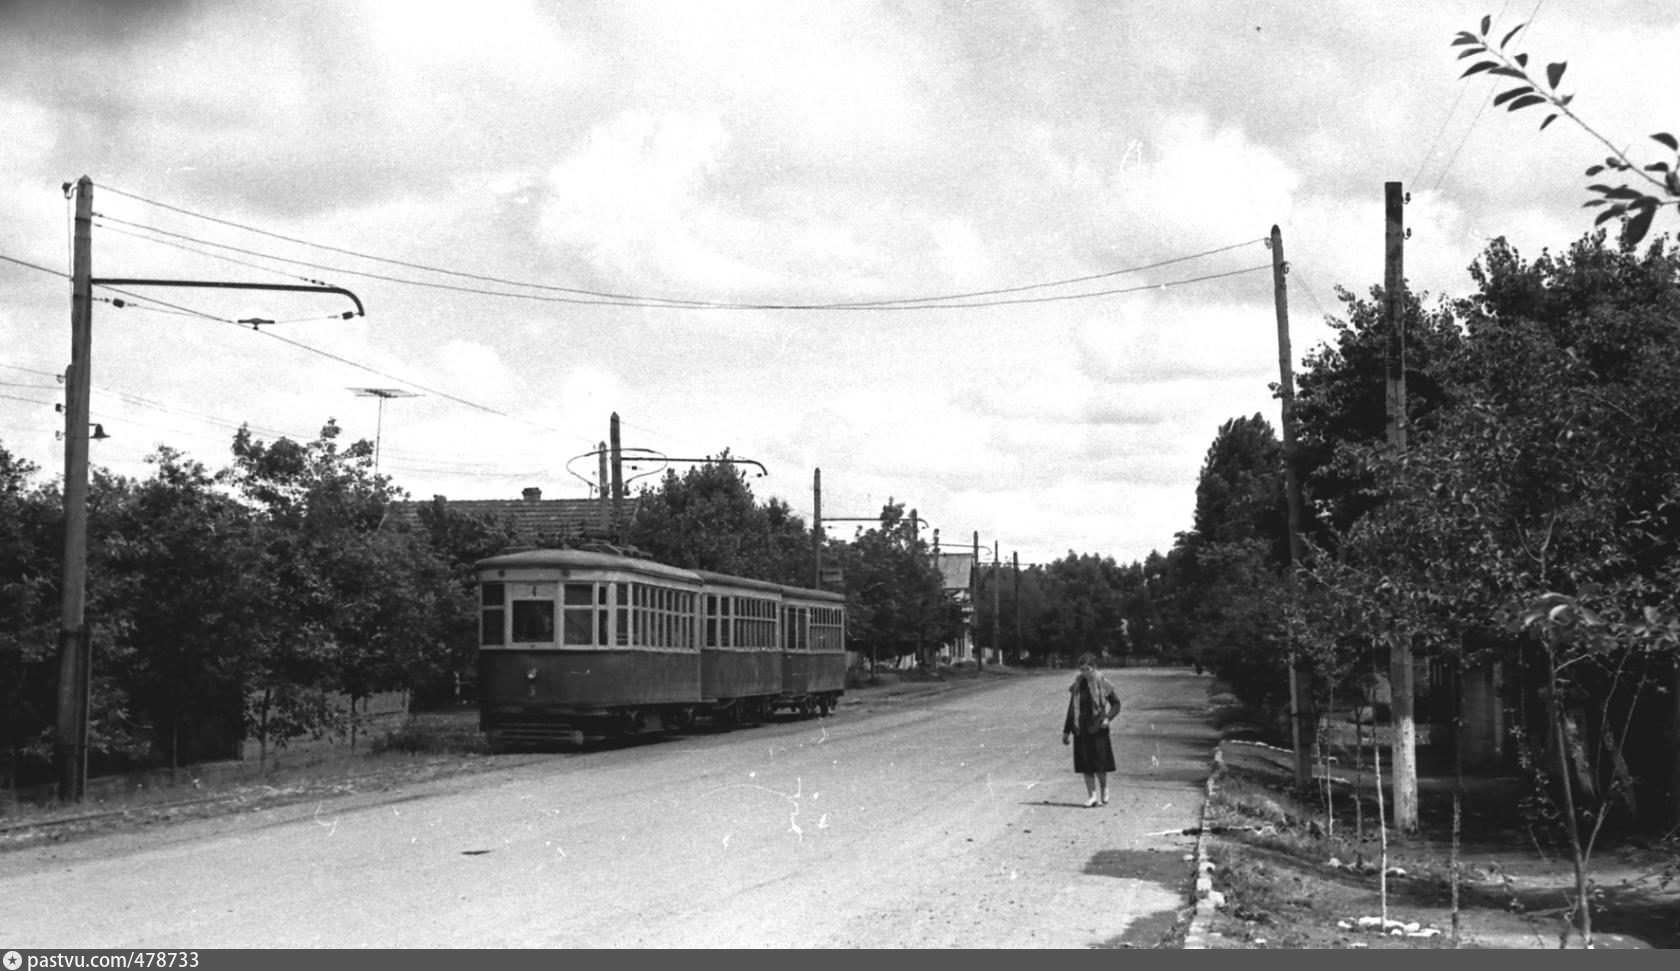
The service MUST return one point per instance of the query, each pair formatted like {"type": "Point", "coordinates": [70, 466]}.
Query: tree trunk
{"type": "Point", "coordinates": [1403, 753]}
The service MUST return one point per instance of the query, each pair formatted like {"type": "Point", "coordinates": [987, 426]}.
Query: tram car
{"type": "Point", "coordinates": [578, 646]}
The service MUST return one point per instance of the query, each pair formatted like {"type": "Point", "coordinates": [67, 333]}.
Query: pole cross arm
{"type": "Point", "coordinates": [221, 285]}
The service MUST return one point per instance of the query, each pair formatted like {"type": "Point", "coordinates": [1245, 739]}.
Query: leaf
{"type": "Point", "coordinates": [1657, 167]}
{"type": "Point", "coordinates": [1594, 170]}
{"type": "Point", "coordinates": [1471, 52]}
{"type": "Point", "coordinates": [1521, 59]}
{"type": "Point", "coordinates": [1477, 68]}
{"type": "Point", "coordinates": [1640, 224]}
{"type": "Point", "coordinates": [1667, 139]}
{"type": "Point", "coordinates": [1463, 37]}
{"type": "Point", "coordinates": [1554, 72]}
{"type": "Point", "coordinates": [1549, 119]}
{"type": "Point", "coordinates": [1525, 101]}
{"type": "Point", "coordinates": [1512, 34]}
{"type": "Point", "coordinates": [1509, 72]}
{"type": "Point", "coordinates": [1508, 95]}
{"type": "Point", "coordinates": [1487, 21]}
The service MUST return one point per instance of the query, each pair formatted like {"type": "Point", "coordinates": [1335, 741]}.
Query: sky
{"type": "Point", "coordinates": [551, 213]}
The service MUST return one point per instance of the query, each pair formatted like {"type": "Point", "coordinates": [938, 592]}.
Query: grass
{"type": "Point", "coordinates": [1292, 877]}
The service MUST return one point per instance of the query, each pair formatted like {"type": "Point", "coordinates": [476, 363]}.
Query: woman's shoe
{"type": "Point", "coordinates": [1105, 798]}
{"type": "Point", "coordinates": [1091, 802]}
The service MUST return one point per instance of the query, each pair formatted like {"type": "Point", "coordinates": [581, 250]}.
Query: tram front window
{"type": "Point", "coordinates": [533, 621]}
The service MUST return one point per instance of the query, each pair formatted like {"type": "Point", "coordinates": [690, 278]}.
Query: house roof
{"type": "Point", "coordinates": [534, 520]}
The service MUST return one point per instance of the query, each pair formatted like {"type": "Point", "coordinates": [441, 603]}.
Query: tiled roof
{"type": "Point", "coordinates": [536, 521]}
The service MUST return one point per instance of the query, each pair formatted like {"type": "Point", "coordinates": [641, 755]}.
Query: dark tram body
{"type": "Point", "coordinates": [576, 645]}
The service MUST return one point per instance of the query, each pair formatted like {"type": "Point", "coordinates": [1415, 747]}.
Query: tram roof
{"type": "Point", "coordinates": [550, 559]}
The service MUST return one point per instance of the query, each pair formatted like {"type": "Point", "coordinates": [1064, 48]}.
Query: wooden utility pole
{"type": "Point", "coordinates": [75, 662]}
{"type": "Point", "coordinates": [1403, 760]}
{"type": "Point", "coordinates": [1292, 492]}
{"type": "Point", "coordinates": [816, 529]}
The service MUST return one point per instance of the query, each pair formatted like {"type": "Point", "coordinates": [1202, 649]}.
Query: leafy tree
{"type": "Point", "coordinates": [30, 549]}
{"type": "Point", "coordinates": [352, 604]}
{"type": "Point", "coordinates": [193, 578]}
{"type": "Point", "coordinates": [708, 519]}
{"type": "Point", "coordinates": [895, 600]}
{"type": "Point", "coordinates": [1661, 178]}
{"type": "Point", "coordinates": [457, 541]}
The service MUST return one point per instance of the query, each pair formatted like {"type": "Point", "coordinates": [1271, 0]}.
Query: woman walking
{"type": "Point", "coordinates": [1092, 704]}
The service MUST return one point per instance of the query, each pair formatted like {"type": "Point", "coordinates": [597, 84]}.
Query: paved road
{"type": "Point", "coordinates": [949, 821]}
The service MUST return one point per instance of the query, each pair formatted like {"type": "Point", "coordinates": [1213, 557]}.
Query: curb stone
{"type": "Point", "coordinates": [1208, 900]}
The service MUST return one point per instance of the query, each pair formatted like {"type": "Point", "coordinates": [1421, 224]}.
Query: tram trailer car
{"type": "Point", "coordinates": [814, 632]}
{"type": "Point", "coordinates": [578, 646]}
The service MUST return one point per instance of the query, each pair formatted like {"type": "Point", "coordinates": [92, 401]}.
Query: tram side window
{"type": "Point", "coordinates": [492, 598]}
{"type": "Point", "coordinates": [622, 638]}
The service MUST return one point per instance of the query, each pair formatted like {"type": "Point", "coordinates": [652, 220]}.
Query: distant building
{"type": "Point", "coordinates": [956, 577]}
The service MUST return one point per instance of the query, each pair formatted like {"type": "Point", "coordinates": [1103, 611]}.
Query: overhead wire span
{"type": "Point", "coordinates": [105, 222]}
{"type": "Point", "coordinates": [35, 266]}
{"type": "Point", "coordinates": [609, 298]}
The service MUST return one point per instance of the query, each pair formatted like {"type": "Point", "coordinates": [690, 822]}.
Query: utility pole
{"type": "Point", "coordinates": [602, 477]}
{"type": "Point", "coordinates": [1292, 489]}
{"type": "Point", "coordinates": [617, 482]}
{"type": "Point", "coordinates": [816, 529]}
{"type": "Point", "coordinates": [75, 646]}
{"type": "Point", "coordinates": [75, 662]}
{"type": "Point", "coordinates": [1404, 753]}
{"type": "Point", "coordinates": [1015, 557]}
{"type": "Point", "coordinates": [974, 604]}
{"type": "Point", "coordinates": [996, 606]}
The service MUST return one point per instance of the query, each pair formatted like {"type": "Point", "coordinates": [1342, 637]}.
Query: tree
{"type": "Point", "coordinates": [895, 600]}
{"type": "Point", "coordinates": [352, 605]}
{"type": "Point", "coordinates": [194, 579]}
{"type": "Point", "coordinates": [708, 519]}
{"type": "Point", "coordinates": [1661, 178]}
{"type": "Point", "coordinates": [30, 533]}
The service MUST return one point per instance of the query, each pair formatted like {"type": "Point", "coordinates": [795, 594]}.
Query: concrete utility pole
{"type": "Point", "coordinates": [75, 663]}
{"type": "Point", "coordinates": [1400, 674]}
{"type": "Point", "coordinates": [996, 606]}
{"type": "Point", "coordinates": [602, 478]}
{"type": "Point", "coordinates": [816, 529]}
{"type": "Point", "coordinates": [1015, 559]}
{"type": "Point", "coordinates": [1292, 491]}
{"type": "Point", "coordinates": [617, 481]}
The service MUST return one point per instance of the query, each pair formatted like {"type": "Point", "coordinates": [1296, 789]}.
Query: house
{"type": "Point", "coordinates": [956, 578]}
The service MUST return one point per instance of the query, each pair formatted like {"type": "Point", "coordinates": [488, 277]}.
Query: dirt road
{"type": "Point", "coordinates": [950, 821]}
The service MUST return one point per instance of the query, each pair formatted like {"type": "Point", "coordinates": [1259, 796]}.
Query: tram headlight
{"type": "Point", "coordinates": [531, 675]}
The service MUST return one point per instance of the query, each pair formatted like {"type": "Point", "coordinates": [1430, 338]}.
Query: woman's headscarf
{"type": "Point", "coordinates": [1090, 680]}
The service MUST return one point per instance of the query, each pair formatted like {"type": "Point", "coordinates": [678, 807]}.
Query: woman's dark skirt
{"type": "Point", "coordinates": [1093, 753]}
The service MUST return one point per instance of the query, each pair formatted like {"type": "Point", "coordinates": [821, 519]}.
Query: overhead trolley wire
{"type": "Point", "coordinates": [608, 298]}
